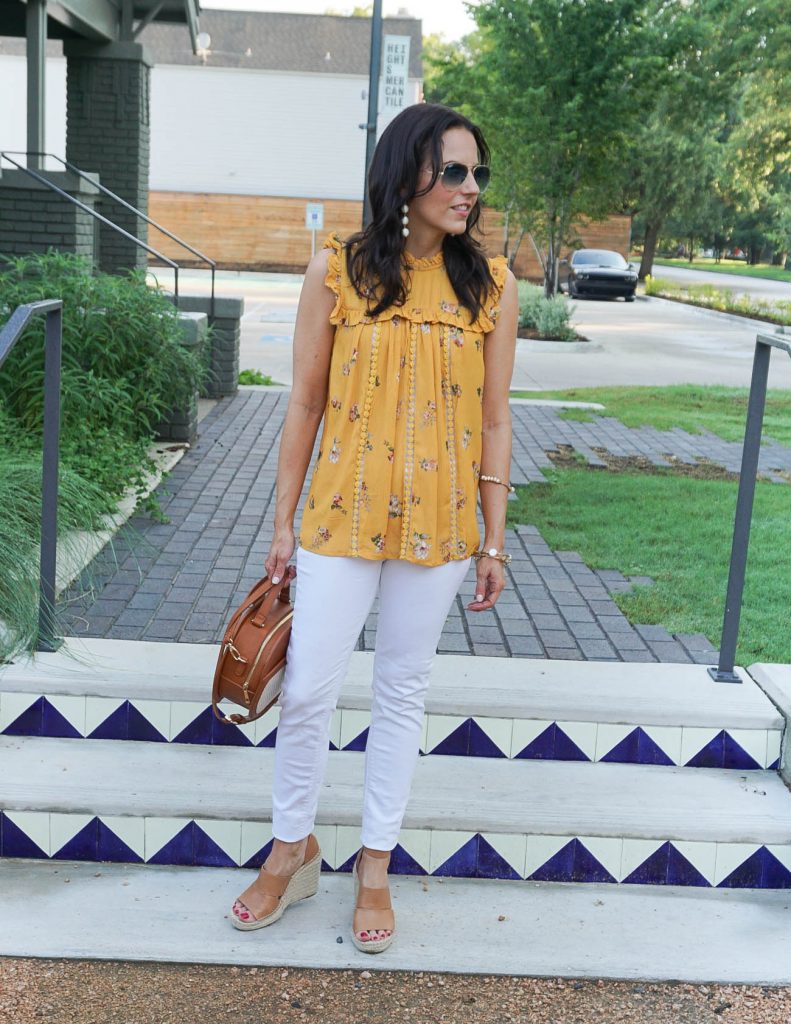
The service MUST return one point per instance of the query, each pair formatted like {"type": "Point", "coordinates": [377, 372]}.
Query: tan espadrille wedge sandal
{"type": "Point", "coordinates": [367, 898]}
{"type": "Point", "coordinates": [302, 883]}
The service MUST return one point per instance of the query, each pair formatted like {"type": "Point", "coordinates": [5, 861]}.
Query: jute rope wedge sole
{"type": "Point", "coordinates": [367, 898]}
{"type": "Point", "coordinates": [304, 882]}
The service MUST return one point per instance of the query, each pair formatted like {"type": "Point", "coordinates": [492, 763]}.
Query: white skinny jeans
{"type": "Point", "coordinates": [334, 595]}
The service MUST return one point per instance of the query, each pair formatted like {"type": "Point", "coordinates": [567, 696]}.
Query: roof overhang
{"type": "Point", "coordinates": [102, 21]}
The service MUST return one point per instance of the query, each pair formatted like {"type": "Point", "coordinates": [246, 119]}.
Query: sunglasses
{"type": "Point", "coordinates": [453, 175]}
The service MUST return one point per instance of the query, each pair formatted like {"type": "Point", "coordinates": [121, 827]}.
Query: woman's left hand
{"type": "Point", "coordinates": [490, 583]}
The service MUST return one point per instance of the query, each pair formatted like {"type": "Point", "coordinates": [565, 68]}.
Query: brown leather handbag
{"type": "Point", "coordinates": [252, 659]}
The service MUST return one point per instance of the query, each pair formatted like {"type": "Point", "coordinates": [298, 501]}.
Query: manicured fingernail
{"type": "Point", "coordinates": [275, 579]}
{"type": "Point", "coordinates": [479, 597]}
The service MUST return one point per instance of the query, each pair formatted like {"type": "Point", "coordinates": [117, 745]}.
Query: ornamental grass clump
{"type": "Point", "coordinates": [123, 368]}
{"type": "Point", "coordinates": [550, 318]}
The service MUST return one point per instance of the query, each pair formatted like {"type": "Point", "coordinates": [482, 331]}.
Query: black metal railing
{"type": "Point", "coordinates": [9, 154]}
{"type": "Point", "coordinates": [9, 335]}
{"type": "Point", "coordinates": [764, 343]}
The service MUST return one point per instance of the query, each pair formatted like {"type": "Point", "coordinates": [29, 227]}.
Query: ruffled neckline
{"type": "Point", "coordinates": [424, 262]}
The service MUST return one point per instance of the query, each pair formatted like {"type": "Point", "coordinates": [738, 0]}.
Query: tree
{"type": "Point", "coordinates": [558, 86]}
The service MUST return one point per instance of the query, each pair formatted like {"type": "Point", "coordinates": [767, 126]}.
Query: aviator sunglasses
{"type": "Point", "coordinates": [453, 175]}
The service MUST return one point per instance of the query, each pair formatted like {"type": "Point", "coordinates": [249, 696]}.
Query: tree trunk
{"type": "Point", "coordinates": [650, 239]}
{"type": "Point", "coordinates": [515, 251]}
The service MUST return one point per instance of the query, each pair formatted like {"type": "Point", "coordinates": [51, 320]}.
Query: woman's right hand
{"type": "Point", "coordinates": [281, 549]}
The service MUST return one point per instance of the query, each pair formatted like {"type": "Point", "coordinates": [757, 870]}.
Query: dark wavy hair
{"type": "Point", "coordinates": [375, 256]}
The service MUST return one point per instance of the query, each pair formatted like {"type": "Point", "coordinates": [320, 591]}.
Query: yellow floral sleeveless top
{"type": "Point", "coordinates": [400, 454]}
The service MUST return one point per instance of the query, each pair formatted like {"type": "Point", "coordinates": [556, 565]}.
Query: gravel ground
{"type": "Point", "coordinates": [107, 992]}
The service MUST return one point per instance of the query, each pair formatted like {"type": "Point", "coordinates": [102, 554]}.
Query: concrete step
{"type": "Point", "coordinates": [486, 817]}
{"type": "Point", "coordinates": [176, 914]}
{"type": "Point", "coordinates": [517, 708]}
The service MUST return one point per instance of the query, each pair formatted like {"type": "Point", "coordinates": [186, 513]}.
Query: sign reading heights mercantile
{"type": "Point", "coordinates": [395, 70]}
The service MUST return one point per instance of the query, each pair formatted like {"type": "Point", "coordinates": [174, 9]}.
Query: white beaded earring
{"type": "Point", "coordinates": [405, 220]}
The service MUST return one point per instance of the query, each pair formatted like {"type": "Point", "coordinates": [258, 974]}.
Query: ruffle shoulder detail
{"type": "Point", "coordinates": [334, 276]}
{"type": "Point", "coordinates": [487, 318]}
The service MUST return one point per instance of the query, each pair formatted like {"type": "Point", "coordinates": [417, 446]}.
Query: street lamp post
{"type": "Point", "coordinates": [373, 102]}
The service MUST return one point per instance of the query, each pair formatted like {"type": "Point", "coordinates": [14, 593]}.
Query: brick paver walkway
{"type": "Point", "coordinates": [180, 581]}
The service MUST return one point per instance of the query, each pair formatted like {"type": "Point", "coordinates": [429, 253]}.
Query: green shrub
{"type": "Point", "coordinates": [254, 377]}
{"type": "Point", "coordinates": [20, 528]}
{"type": "Point", "coordinates": [725, 300]}
{"type": "Point", "coordinates": [123, 365]}
{"type": "Point", "coordinates": [550, 317]}
{"type": "Point", "coordinates": [123, 368]}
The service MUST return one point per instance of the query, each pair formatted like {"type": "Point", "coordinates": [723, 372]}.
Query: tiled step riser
{"type": "Point", "coordinates": [68, 716]}
{"type": "Point", "coordinates": [442, 853]}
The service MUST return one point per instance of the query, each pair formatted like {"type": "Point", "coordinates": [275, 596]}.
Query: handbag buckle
{"type": "Point", "coordinates": [234, 653]}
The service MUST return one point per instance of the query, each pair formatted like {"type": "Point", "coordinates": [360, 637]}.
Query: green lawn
{"type": "Point", "coordinates": [678, 531]}
{"type": "Point", "coordinates": [764, 270]}
{"type": "Point", "coordinates": [691, 407]}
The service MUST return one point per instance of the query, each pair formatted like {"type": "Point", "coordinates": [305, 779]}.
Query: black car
{"type": "Point", "coordinates": [598, 272]}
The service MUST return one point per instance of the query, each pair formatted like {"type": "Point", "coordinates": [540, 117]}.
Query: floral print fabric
{"type": "Point", "coordinates": [399, 459]}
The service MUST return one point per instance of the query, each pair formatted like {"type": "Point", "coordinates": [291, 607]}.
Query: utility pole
{"type": "Point", "coordinates": [373, 102]}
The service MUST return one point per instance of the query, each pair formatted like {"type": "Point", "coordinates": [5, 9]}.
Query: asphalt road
{"type": "Point", "coordinates": [757, 287]}
{"type": "Point", "coordinates": [650, 341]}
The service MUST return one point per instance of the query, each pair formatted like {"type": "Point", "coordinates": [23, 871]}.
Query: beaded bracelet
{"type": "Point", "coordinates": [496, 480]}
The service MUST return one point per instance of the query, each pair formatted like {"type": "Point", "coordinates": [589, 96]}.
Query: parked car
{"type": "Point", "coordinates": [598, 272]}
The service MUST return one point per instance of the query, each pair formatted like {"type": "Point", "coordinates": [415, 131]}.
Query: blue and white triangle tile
{"type": "Point", "coordinates": [609, 735]}
{"type": "Point", "coordinates": [327, 836]}
{"type": "Point", "coordinates": [347, 843]}
{"type": "Point", "coordinates": [637, 747]}
{"type": "Point", "coordinates": [25, 834]}
{"type": "Point", "coordinates": [106, 718]}
{"type": "Point", "coordinates": [463, 862]}
{"type": "Point", "coordinates": [63, 715]}
{"type": "Point", "coordinates": [150, 720]}
{"type": "Point", "coordinates": [666, 738]}
{"type": "Point", "coordinates": [490, 737]}
{"type": "Point", "coordinates": [754, 744]}
{"type": "Point", "coordinates": [256, 836]}
{"type": "Point", "coordinates": [262, 728]}
{"type": "Point", "coordinates": [169, 841]}
{"type": "Point", "coordinates": [774, 746]}
{"type": "Point", "coordinates": [20, 714]}
{"type": "Point", "coordinates": [121, 839]}
{"type": "Point", "coordinates": [694, 741]}
{"type": "Point", "coordinates": [582, 735]}
{"type": "Point", "coordinates": [73, 836]}
{"type": "Point", "coordinates": [453, 853]}
{"type": "Point", "coordinates": [761, 869]}
{"type": "Point", "coordinates": [540, 849]}
{"type": "Point", "coordinates": [354, 729]}
{"type": "Point", "coordinates": [608, 852]}
{"type": "Point", "coordinates": [573, 862]}
{"type": "Point", "coordinates": [447, 734]}
{"type": "Point", "coordinates": [553, 744]}
{"type": "Point", "coordinates": [189, 723]}
{"type": "Point", "coordinates": [335, 729]}
{"type": "Point", "coordinates": [412, 853]}
{"type": "Point", "coordinates": [637, 852]}
{"type": "Point", "coordinates": [729, 858]}
{"type": "Point", "coordinates": [525, 732]}
{"type": "Point", "coordinates": [501, 855]}
{"type": "Point", "coordinates": [218, 843]}
{"type": "Point", "coordinates": [668, 865]}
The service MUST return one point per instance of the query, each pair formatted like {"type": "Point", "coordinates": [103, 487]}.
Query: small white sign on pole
{"type": "Point", "coordinates": [395, 71]}
{"type": "Point", "coordinates": [314, 221]}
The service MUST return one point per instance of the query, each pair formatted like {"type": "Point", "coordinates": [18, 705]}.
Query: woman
{"type": "Point", "coordinates": [397, 331]}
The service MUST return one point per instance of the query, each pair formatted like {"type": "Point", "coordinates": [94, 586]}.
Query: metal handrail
{"type": "Point", "coordinates": [98, 216]}
{"type": "Point", "coordinates": [764, 343]}
{"type": "Point", "coordinates": [149, 220]}
{"type": "Point", "coordinates": [9, 335]}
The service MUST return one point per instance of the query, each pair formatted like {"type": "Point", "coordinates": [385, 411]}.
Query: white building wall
{"type": "Point", "coordinates": [13, 105]}
{"type": "Point", "coordinates": [256, 132]}
{"type": "Point", "coordinates": [227, 130]}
